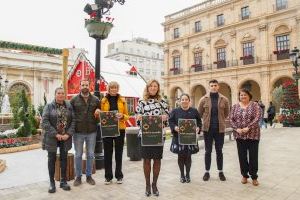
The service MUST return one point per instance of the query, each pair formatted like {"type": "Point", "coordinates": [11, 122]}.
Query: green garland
{"type": "Point", "coordinates": [20, 46]}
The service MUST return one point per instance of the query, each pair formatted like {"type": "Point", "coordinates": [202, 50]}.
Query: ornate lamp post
{"type": "Point", "coordinates": [99, 30]}
{"type": "Point", "coordinates": [295, 58]}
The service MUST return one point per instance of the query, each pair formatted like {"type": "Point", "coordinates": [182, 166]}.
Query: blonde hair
{"type": "Point", "coordinates": [146, 94]}
{"type": "Point", "coordinates": [112, 84]}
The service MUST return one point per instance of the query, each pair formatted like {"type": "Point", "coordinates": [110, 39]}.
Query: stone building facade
{"type": "Point", "coordinates": [38, 71]}
{"type": "Point", "coordinates": [145, 55]}
{"type": "Point", "coordinates": [241, 43]}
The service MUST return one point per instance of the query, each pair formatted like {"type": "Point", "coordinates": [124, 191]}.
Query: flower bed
{"type": "Point", "coordinates": [9, 139]}
{"type": "Point", "coordinates": [12, 143]}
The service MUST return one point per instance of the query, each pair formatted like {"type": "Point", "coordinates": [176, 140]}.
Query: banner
{"type": "Point", "coordinates": [109, 124]}
{"type": "Point", "coordinates": [187, 131]}
{"type": "Point", "coordinates": [152, 131]}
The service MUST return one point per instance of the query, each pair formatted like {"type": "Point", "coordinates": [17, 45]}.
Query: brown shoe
{"type": "Point", "coordinates": [244, 180]}
{"type": "Point", "coordinates": [77, 181]}
{"type": "Point", "coordinates": [255, 182]}
{"type": "Point", "coordinates": [90, 180]}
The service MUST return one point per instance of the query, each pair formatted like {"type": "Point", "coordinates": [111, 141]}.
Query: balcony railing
{"type": "Point", "coordinates": [219, 23]}
{"type": "Point", "coordinates": [198, 29]}
{"type": "Point", "coordinates": [247, 60]}
{"type": "Point", "coordinates": [278, 7]}
{"type": "Point", "coordinates": [220, 64]}
{"type": "Point", "coordinates": [282, 54]}
{"type": "Point", "coordinates": [175, 36]}
{"type": "Point", "coordinates": [197, 67]}
{"type": "Point", "coordinates": [243, 17]}
{"type": "Point", "coordinates": [223, 64]}
{"type": "Point", "coordinates": [175, 71]}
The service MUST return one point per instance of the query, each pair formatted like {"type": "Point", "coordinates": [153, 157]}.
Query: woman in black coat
{"type": "Point", "coordinates": [58, 126]}
{"type": "Point", "coordinates": [184, 151]}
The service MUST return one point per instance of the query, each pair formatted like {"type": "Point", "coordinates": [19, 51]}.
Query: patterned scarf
{"type": "Point", "coordinates": [61, 125]}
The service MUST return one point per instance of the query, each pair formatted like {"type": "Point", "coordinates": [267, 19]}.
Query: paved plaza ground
{"type": "Point", "coordinates": [279, 175]}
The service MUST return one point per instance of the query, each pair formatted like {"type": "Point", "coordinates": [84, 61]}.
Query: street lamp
{"type": "Point", "coordinates": [295, 58]}
{"type": "Point", "coordinates": [99, 30]}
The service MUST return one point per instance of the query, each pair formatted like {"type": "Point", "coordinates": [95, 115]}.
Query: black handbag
{"type": "Point", "coordinates": [174, 148]}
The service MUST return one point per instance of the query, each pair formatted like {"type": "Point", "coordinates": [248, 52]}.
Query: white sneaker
{"type": "Point", "coordinates": [107, 182]}
{"type": "Point", "coordinates": [119, 181]}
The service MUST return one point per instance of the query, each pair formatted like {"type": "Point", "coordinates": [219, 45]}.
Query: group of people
{"type": "Point", "coordinates": [267, 116]}
{"type": "Point", "coordinates": [78, 118]}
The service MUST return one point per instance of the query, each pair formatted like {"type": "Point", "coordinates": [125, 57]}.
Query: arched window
{"type": "Point", "coordinates": [16, 88]}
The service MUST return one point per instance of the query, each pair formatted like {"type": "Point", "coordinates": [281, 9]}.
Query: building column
{"type": "Point", "coordinates": [232, 57]}
{"type": "Point", "coordinates": [265, 88]}
{"type": "Point", "coordinates": [36, 89]}
{"type": "Point", "coordinates": [166, 71]}
{"type": "Point", "coordinates": [208, 59]}
{"type": "Point", "coordinates": [185, 57]}
{"type": "Point", "coordinates": [263, 48]}
{"type": "Point", "coordinates": [234, 89]}
{"type": "Point", "coordinates": [186, 86]}
{"type": "Point", "coordinates": [297, 42]}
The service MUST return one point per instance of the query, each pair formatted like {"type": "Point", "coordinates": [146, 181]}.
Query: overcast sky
{"type": "Point", "coordinates": [60, 23]}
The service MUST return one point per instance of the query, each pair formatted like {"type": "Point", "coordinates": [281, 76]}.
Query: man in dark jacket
{"type": "Point", "coordinates": [271, 113]}
{"type": "Point", "coordinates": [84, 106]}
{"type": "Point", "coordinates": [214, 109]}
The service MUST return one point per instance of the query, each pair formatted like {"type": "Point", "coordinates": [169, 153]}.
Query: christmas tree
{"type": "Point", "coordinates": [290, 113]}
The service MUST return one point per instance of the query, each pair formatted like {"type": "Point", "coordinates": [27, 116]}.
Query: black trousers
{"type": "Point", "coordinates": [109, 144]}
{"type": "Point", "coordinates": [248, 164]}
{"type": "Point", "coordinates": [209, 137]}
{"type": "Point", "coordinates": [270, 119]}
{"type": "Point", "coordinates": [63, 162]}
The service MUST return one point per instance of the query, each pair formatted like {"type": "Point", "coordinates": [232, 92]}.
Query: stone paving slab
{"type": "Point", "coordinates": [279, 175]}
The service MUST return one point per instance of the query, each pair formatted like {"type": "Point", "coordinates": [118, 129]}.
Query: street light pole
{"type": "Point", "coordinates": [97, 92]}
{"type": "Point", "coordinates": [99, 30]}
{"type": "Point", "coordinates": [99, 155]}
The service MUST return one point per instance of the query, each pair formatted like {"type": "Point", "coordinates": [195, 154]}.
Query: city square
{"type": "Point", "coordinates": [122, 74]}
{"type": "Point", "coordinates": [278, 173]}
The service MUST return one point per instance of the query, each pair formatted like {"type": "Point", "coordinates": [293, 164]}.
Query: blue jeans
{"type": "Point", "coordinates": [262, 123]}
{"type": "Point", "coordinates": [90, 141]}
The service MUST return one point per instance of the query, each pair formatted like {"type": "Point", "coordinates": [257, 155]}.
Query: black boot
{"type": "Point", "coordinates": [64, 185]}
{"type": "Point", "coordinates": [51, 169]}
{"type": "Point", "coordinates": [52, 188]}
{"type": "Point", "coordinates": [63, 167]}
